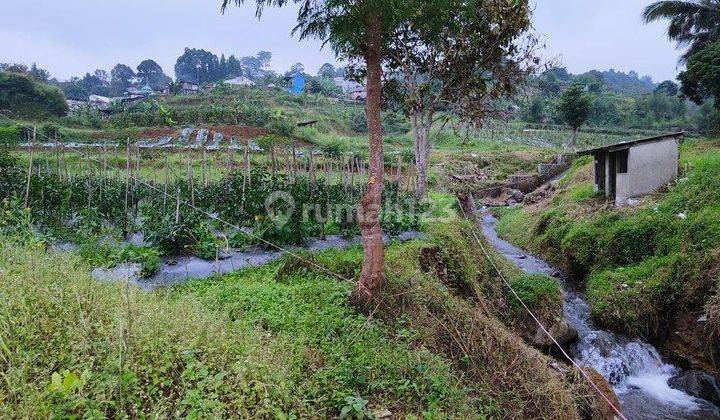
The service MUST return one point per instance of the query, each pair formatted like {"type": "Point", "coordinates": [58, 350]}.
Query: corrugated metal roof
{"type": "Point", "coordinates": [629, 143]}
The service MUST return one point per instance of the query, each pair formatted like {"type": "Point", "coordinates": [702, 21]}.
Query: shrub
{"type": "Point", "coordinates": [333, 149]}
{"type": "Point", "coordinates": [536, 290]}
{"type": "Point", "coordinates": [10, 175]}
{"type": "Point", "coordinates": [701, 231]}
{"type": "Point", "coordinates": [281, 126]}
{"type": "Point", "coordinates": [358, 122]}
{"type": "Point", "coordinates": [580, 248]}
{"type": "Point", "coordinates": [27, 98]}
{"type": "Point", "coordinates": [636, 299]}
{"type": "Point", "coordinates": [148, 258]}
{"type": "Point", "coordinates": [630, 240]}
{"type": "Point", "coordinates": [9, 135]}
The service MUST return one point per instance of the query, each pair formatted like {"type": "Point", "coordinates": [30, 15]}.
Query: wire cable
{"type": "Point", "coordinates": [193, 207]}
{"type": "Point", "coordinates": [537, 321]}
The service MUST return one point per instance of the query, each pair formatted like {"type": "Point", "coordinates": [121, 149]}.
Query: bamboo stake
{"type": "Point", "coordinates": [286, 159]}
{"type": "Point", "coordinates": [204, 168]}
{"type": "Point", "coordinates": [246, 180]}
{"type": "Point", "coordinates": [313, 176]}
{"type": "Point", "coordinates": [127, 175]}
{"type": "Point", "coordinates": [273, 160]}
{"type": "Point", "coordinates": [117, 161]}
{"type": "Point", "coordinates": [167, 180]}
{"type": "Point", "coordinates": [191, 176]}
{"type": "Point", "coordinates": [137, 164]}
{"type": "Point", "coordinates": [65, 166]}
{"type": "Point", "coordinates": [103, 170]}
{"type": "Point", "coordinates": [228, 171]}
{"type": "Point", "coordinates": [177, 206]}
{"type": "Point", "coordinates": [397, 170]}
{"type": "Point", "coordinates": [409, 176]}
{"type": "Point", "coordinates": [89, 184]}
{"type": "Point", "coordinates": [57, 159]}
{"type": "Point", "coordinates": [30, 170]}
{"type": "Point", "coordinates": [352, 172]}
{"type": "Point", "coordinates": [327, 173]}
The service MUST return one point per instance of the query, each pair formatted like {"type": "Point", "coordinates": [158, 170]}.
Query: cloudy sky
{"type": "Point", "coordinates": [71, 37]}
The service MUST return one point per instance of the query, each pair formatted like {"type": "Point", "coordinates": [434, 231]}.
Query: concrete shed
{"type": "Point", "coordinates": [635, 168]}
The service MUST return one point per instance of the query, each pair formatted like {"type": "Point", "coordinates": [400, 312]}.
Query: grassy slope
{"type": "Point", "coordinates": [263, 344]}
{"type": "Point", "coordinates": [645, 267]}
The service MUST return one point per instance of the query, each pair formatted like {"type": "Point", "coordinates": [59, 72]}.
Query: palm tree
{"type": "Point", "coordinates": [693, 24]}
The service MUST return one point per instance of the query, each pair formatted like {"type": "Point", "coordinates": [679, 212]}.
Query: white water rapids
{"type": "Point", "coordinates": [635, 369]}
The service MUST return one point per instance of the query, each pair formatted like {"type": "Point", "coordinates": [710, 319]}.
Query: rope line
{"type": "Point", "coordinates": [326, 270]}
{"type": "Point", "coordinates": [537, 321]}
{"type": "Point", "coordinates": [193, 207]}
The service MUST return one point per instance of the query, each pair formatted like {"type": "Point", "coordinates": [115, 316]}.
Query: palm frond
{"type": "Point", "coordinates": [672, 9]}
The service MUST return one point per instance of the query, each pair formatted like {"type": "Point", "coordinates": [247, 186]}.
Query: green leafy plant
{"type": "Point", "coordinates": [148, 258]}
{"type": "Point", "coordinates": [66, 383]}
{"type": "Point", "coordinates": [356, 408]}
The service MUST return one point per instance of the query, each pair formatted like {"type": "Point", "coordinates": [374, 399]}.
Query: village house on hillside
{"type": "Point", "coordinates": [189, 87]}
{"type": "Point", "coordinates": [632, 169]}
{"type": "Point", "coordinates": [352, 90]}
{"type": "Point", "coordinates": [137, 93]}
{"type": "Point", "coordinates": [240, 81]}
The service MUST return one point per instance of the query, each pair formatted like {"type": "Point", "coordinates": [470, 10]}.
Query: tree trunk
{"type": "Point", "coordinates": [573, 140]}
{"type": "Point", "coordinates": [372, 277]}
{"type": "Point", "coordinates": [421, 133]}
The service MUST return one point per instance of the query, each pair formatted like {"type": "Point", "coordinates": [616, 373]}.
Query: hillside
{"type": "Point", "coordinates": [283, 335]}
{"type": "Point", "coordinates": [651, 270]}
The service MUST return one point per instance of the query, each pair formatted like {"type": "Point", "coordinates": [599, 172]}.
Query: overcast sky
{"type": "Point", "coordinates": [71, 37]}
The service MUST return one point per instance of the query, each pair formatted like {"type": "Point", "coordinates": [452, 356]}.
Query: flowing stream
{"type": "Point", "coordinates": [179, 270]}
{"type": "Point", "coordinates": [635, 369]}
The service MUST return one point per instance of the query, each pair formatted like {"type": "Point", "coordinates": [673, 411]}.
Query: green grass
{"type": "Point", "coordinates": [644, 265]}
{"type": "Point", "coordinates": [274, 341]}
{"type": "Point", "coordinates": [240, 344]}
{"type": "Point", "coordinates": [536, 290]}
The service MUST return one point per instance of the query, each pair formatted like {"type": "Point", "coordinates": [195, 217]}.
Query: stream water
{"type": "Point", "coordinates": [179, 270]}
{"type": "Point", "coordinates": [634, 369]}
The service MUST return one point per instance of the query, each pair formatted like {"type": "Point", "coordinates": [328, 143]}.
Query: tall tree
{"type": "Point", "coordinates": [693, 24]}
{"type": "Point", "coordinates": [454, 59]}
{"type": "Point", "coordinates": [102, 75]}
{"type": "Point", "coordinates": [234, 68]}
{"type": "Point", "coordinates": [296, 68]}
{"type": "Point", "coordinates": [197, 65]}
{"type": "Point", "coordinates": [701, 78]}
{"type": "Point", "coordinates": [121, 78]}
{"type": "Point", "coordinates": [574, 109]}
{"type": "Point", "coordinates": [223, 67]}
{"type": "Point", "coordinates": [357, 29]}
{"type": "Point", "coordinates": [41, 75]}
{"type": "Point", "coordinates": [75, 89]}
{"type": "Point", "coordinates": [264, 58]}
{"type": "Point", "coordinates": [667, 87]}
{"type": "Point", "coordinates": [95, 85]}
{"type": "Point", "coordinates": [152, 74]}
{"type": "Point", "coordinates": [327, 70]}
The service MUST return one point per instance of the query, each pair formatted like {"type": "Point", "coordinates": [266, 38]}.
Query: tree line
{"type": "Point", "coordinates": [612, 99]}
{"type": "Point", "coordinates": [693, 104]}
{"type": "Point", "coordinates": [194, 65]}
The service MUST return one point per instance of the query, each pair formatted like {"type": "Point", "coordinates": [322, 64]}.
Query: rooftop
{"type": "Point", "coordinates": [629, 143]}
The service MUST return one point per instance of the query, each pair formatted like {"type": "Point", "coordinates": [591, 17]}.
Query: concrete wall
{"type": "Point", "coordinates": [622, 188]}
{"type": "Point", "coordinates": [650, 167]}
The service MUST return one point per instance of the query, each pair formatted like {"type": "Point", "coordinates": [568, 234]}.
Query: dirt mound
{"type": "Point", "coordinates": [159, 132]}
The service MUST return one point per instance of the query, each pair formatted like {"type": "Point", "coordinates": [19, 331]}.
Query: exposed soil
{"type": "Point", "coordinates": [692, 336]}
{"type": "Point", "coordinates": [688, 341]}
{"type": "Point", "coordinates": [159, 132]}
{"type": "Point", "coordinates": [239, 131]}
